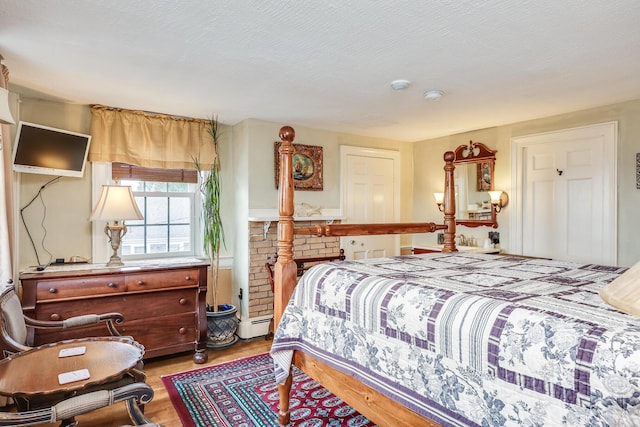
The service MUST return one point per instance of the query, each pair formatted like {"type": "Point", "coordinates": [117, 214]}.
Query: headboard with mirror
{"type": "Point", "coordinates": [475, 164]}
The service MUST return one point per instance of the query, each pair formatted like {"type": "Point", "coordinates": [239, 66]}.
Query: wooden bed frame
{"type": "Point", "coordinates": [372, 404]}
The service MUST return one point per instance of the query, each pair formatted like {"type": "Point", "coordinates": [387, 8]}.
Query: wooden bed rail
{"type": "Point", "coordinates": [370, 229]}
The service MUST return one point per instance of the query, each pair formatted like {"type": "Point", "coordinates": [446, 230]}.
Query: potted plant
{"type": "Point", "coordinates": [222, 323]}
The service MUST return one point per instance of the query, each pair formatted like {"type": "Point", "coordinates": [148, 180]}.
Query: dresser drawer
{"type": "Point", "coordinates": [163, 335]}
{"type": "Point", "coordinates": [161, 332]}
{"type": "Point", "coordinates": [48, 337]}
{"type": "Point", "coordinates": [132, 307]}
{"type": "Point", "coordinates": [169, 279]}
{"type": "Point", "coordinates": [87, 286]}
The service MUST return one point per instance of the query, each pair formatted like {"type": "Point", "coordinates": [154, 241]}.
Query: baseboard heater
{"type": "Point", "coordinates": [254, 327]}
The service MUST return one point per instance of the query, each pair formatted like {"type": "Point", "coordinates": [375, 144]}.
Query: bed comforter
{"type": "Point", "coordinates": [472, 339]}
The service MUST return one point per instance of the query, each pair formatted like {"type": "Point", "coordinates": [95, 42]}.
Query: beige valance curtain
{"type": "Point", "coordinates": [148, 139]}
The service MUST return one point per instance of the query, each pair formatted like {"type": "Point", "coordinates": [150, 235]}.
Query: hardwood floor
{"type": "Point", "coordinates": [160, 409]}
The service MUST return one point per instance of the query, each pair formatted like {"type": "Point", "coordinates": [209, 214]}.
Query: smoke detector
{"type": "Point", "coordinates": [400, 84]}
{"type": "Point", "coordinates": [433, 95]}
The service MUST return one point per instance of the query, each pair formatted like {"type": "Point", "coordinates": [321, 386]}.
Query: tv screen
{"type": "Point", "coordinates": [50, 151]}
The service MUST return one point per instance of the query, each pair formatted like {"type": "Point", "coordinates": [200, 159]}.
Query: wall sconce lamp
{"type": "Point", "coordinates": [5, 115]}
{"type": "Point", "coordinates": [439, 200]}
{"type": "Point", "coordinates": [499, 199]}
{"type": "Point", "coordinates": [117, 204]}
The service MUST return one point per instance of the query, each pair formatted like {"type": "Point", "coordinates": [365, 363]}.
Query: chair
{"type": "Point", "coordinates": [134, 395]}
{"type": "Point", "coordinates": [14, 339]}
{"type": "Point", "coordinates": [14, 324]}
{"type": "Point", "coordinates": [302, 265]}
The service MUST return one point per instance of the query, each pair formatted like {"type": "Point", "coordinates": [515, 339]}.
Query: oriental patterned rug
{"type": "Point", "coordinates": [243, 393]}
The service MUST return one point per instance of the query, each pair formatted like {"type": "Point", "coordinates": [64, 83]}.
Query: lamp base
{"type": "Point", "coordinates": [115, 261]}
{"type": "Point", "coordinates": [115, 233]}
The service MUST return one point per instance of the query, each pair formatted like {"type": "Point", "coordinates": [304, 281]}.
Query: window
{"type": "Point", "coordinates": [167, 199]}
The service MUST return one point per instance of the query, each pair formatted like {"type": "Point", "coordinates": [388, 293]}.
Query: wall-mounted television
{"type": "Point", "coordinates": [50, 151]}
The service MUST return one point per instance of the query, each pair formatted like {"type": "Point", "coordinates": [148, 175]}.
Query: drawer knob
{"type": "Point", "coordinates": [55, 317]}
{"type": "Point", "coordinates": [112, 285]}
{"type": "Point", "coordinates": [140, 283]}
{"type": "Point", "coordinates": [52, 290]}
{"type": "Point", "coordinates": [182, 331]}
{"type": "Point", "coordinates": [188, 278]}
{"type": "Point", "coordinates": [183, 301]}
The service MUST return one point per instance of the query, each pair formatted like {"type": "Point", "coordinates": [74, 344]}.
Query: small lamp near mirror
{"type": "Point", "coordinates": [499, 199]}
{"type": "Point", "coordinates": [439, 200]}
{"type": "Point", "coordinates": [117, 204]}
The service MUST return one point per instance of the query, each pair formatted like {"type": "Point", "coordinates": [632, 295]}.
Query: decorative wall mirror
{"type": "Point", "coordinates": [473, 181]}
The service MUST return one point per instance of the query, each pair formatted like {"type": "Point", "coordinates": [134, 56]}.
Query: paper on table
{"type": "Point", "coordinates": [69, 377]}
{"type": "Point", "coordinates": [72, 351]}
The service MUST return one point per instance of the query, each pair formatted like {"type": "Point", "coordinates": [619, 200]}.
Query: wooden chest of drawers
{"type": "Point", "coordinates": [163, 304]}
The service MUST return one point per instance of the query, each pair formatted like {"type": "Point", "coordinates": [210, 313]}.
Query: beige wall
{"type": "Point", "coordinates": [66, 205]}
{"type": "Point", "coordinates": [627, 114]}
{"type": "Point", "coordinates": [262, 190]}
{"type": "Point", "coordinates": [247, 151]}
{"type": "Point", "coordinates": [253, 147]}
{"type": "Point", "coordinates": [248, 183]}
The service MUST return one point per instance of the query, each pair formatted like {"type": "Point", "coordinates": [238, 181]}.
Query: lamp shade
{"type": "Point", "coordinates": [5, 115]}
{"type": "Point", "coordinates": [495, 196]}
{"type": "Point", "coordinates": [439, 197]}
{"type": "Point", "coordinates": [116, 203]}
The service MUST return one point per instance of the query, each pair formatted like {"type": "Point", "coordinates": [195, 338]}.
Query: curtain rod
{"type": "Point", "coordinates": [149, 113]}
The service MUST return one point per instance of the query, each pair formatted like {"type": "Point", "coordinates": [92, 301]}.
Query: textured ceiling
{"type": "Point", "coordinates": [329, 64]}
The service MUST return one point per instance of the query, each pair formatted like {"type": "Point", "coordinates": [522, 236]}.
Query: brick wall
{"type": "Point", "coordinates": [262, 250]}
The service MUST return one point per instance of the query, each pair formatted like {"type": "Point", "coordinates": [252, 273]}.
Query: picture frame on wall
{"type": "Point", "coordinates": [485, 176]}
{"type": "Point", "coordinates": [307, 166]}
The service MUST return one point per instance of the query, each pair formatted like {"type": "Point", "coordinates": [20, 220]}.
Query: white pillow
{"type": "Point", "coordinates": [624, 292]}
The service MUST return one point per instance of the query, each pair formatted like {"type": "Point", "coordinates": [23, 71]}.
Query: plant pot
{"type": "Point", "coordinates": [221, 328]}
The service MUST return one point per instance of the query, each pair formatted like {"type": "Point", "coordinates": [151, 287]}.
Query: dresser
{"type": "Point", "coordinates": [163, 302]}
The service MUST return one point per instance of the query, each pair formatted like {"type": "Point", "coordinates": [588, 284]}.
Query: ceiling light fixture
{"type": "Point", "coordinates": [433, 95]}
{"type": "Point", "coordinates": [400, 84]}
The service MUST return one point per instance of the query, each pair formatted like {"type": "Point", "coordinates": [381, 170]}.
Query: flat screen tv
{"type": "Point", "coordinates": [50, 151]}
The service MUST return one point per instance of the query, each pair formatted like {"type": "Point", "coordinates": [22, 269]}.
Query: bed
{"type": "Point", "coordinates": [453, 338]}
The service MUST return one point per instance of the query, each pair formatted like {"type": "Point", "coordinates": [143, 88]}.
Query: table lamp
{"type": "Point", "coordinates": [117, 204]}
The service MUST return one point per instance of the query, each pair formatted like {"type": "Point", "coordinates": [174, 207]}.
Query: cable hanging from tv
{"type": "Point", "coordinates": [40, 266]}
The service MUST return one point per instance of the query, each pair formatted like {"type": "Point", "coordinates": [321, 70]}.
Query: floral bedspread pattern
{"type": "Point", "coordinates": [473, 339]}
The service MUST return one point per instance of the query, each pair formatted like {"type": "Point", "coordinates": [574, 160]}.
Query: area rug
{"type": "Point", "coordinates": [243, 393]}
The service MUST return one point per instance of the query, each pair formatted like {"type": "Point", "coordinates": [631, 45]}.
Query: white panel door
{"type": "Point", "coordinates": [539, 192]}
{"type": "Point", "coordinates": [567, 187]}
{"type": "Point", "coordinates": [370, 194]}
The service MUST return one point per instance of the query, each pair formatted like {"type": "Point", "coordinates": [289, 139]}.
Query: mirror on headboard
{"type": "Point", "coordinates": [473, 179]}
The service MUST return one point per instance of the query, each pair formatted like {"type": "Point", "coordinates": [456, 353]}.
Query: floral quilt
{"type": "Point", "coordinates": [472, 339]}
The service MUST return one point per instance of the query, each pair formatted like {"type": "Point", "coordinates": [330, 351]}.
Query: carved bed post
{"type": "Point", "coordinates": [285, 269]}
{"type": "Point", "coordinates": [449, 203]}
